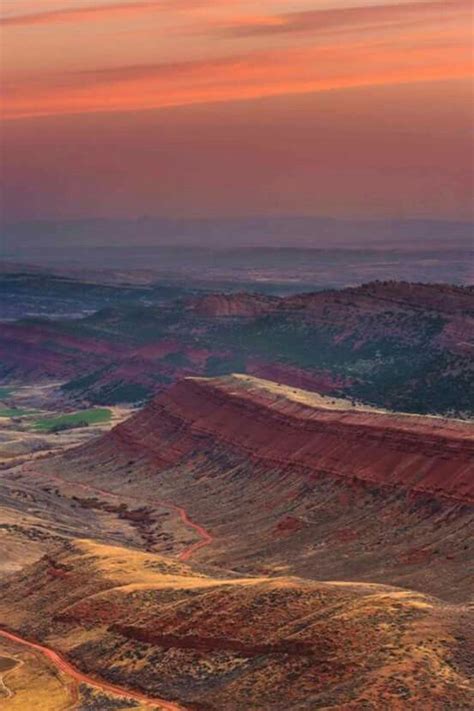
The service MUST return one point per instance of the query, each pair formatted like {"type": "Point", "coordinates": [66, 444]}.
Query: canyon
{"type": "Point", "coordinates": [253, 545]}
{"type": "Point", "coordinates": [263, 539]}
{"type": "Point", "coordinates": [317, 485]}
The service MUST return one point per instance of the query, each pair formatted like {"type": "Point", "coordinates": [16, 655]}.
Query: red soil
{"type": "Point", "coordinates": [64, 666]}
{"type": "Point", "coordinates": [419, 454]}
{"type": "Point", "coordinates": [289, 524]}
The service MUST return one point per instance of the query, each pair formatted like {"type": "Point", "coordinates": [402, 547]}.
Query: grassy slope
{"type": "Point", "coordinates": [92, 416]}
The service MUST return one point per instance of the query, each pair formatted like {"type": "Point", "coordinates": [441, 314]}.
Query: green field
{"type": "Point", "coordinates": [15, 412]}
{"type": "Point", "coordinates": [94, 416]}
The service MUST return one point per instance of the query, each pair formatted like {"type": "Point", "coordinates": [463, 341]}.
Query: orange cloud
{"type": "Point", "coordinates": [311, 21]}
{"type": "Point", "coordinates": [375, 45]}
{"type": "Point", "coordinates": [130, 88]}
{"type": "Point", "coordinates": [92, 12]}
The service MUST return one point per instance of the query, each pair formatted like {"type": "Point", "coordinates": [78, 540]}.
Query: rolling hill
{"type": "Point", "coordinates": [139, 621]}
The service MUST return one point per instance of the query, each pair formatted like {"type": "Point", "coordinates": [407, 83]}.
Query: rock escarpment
{"type": "Point", "coordinates": [278, 426]}
{"type": "Point", "coordinates": [289, 480]}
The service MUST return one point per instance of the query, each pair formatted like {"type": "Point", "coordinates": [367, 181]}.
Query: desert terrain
{"type": "Point", "coordinates": [262, 539]}
{"type": "Point", "coordinates": [214, 549]}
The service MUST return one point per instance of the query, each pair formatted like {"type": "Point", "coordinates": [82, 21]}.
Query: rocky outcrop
{"type": "Point", "coordinates": [287, 479]}
{"type": "Point", "coordinates": [277, 426]}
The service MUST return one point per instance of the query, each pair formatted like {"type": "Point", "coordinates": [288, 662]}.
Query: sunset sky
{"type": "Point", "coordinates": [236, 107]}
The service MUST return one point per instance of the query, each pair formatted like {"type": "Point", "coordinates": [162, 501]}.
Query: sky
{"type": "Point", "coordinates": [347, 108]}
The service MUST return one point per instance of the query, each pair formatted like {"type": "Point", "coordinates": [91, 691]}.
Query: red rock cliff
{"type": "Point", "coordinates": [288, 428]}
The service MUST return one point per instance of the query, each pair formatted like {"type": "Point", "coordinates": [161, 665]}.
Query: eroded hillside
{"type": "Point", "coordinates": [241, 544]}
{"type": "Point", "coordinates": [290, 480]}
{"type": "Point", "coordinates": [140, 621]}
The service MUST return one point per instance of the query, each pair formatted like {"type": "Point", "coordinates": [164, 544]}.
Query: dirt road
{"type": "Point", "coordinates": [60, 662]}
{"type": "Point", "coordinates": [205, 537]}
{"type": "Point", "coordinates": [64, 666]}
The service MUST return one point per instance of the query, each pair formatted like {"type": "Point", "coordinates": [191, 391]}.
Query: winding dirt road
{"type": "Point", "coordinates": [205, 537]}
{"type": "Point", "coordinates": [66, 667]}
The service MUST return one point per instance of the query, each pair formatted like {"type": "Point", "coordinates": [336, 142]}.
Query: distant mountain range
{"type": "Point", "coordinates": [272, 255]}
{"type": "Point", "coordinates": [233, 233]}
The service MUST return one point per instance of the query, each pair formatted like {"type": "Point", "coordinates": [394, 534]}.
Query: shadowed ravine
{"type": "Point", "coordinates": [186, 553]}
